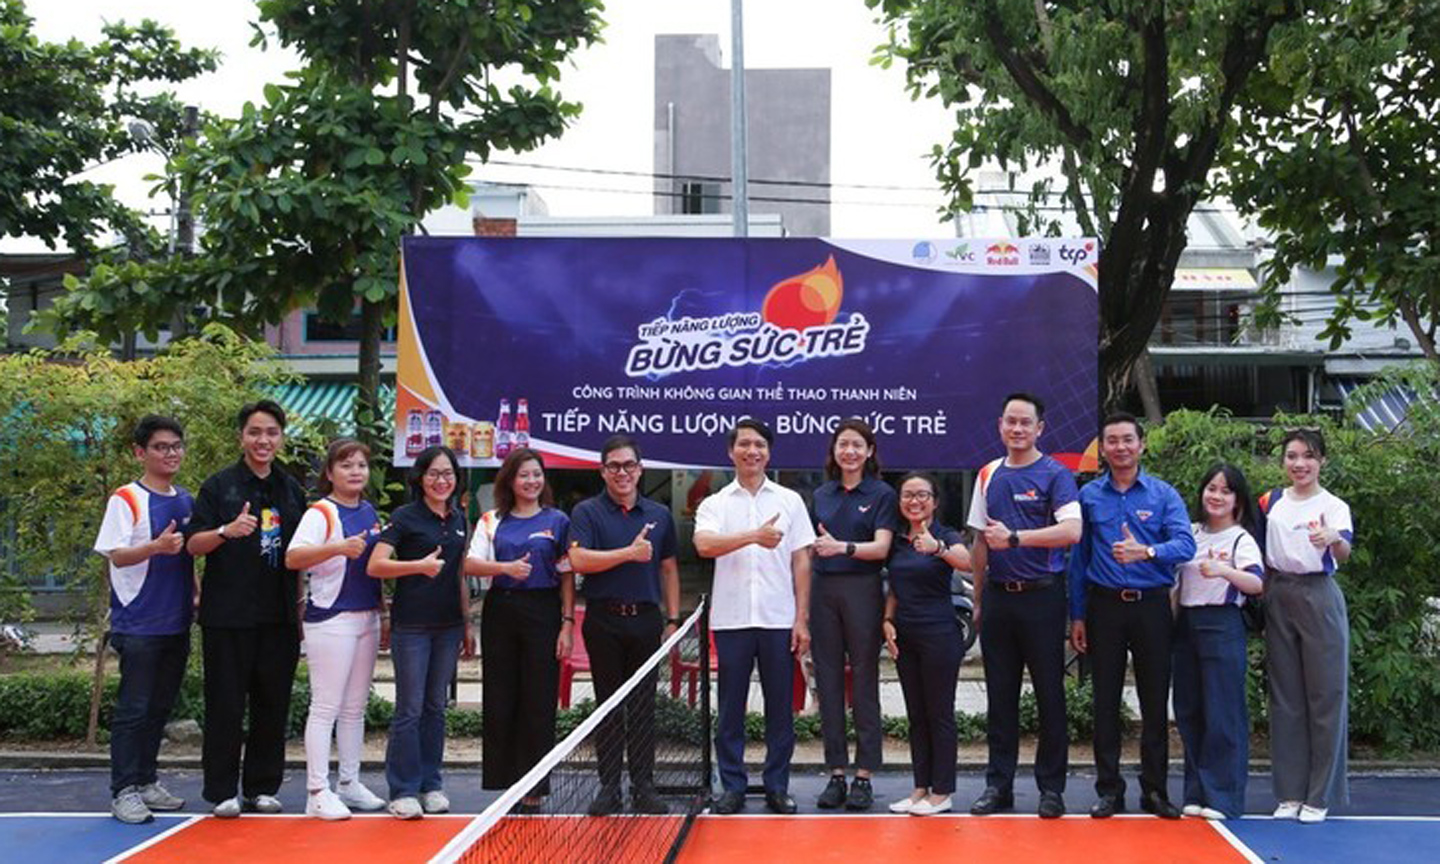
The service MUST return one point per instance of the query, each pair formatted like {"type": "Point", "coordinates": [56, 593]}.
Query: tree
{"type": "Point", "coordinates": [1126, 105]}
{"type": "Point", "coordinates": [305, 197]}
{"type": "Point", "coordinates": [64, 108]}
{"type": "Point", "coordinates": [1338, 159]}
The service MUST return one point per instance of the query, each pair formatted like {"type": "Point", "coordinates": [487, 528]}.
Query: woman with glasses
{"type": "Point", "coordinates": [422, 549]}
{"type": "Point", "coordinates": [924, 639]}
{"type": "Point", "coordinates": [855, 519]}
{"type": "Point", "coordinates": [527, 622]}
{"type": "Point", "coordinates": [1307, 634]}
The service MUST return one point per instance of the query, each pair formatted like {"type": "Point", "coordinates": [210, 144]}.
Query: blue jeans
{"type": "Point", "coordinates": [1210, 710]}
{"type": "Point", "coordinates": [151, 669]}
{"type": "Point", "coordinates": [424, 664]}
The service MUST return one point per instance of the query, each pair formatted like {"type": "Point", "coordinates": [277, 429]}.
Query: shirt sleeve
{"type": "Point", "coordinates": [1064, 492]}
{"type": "Point", "coordinates": [1179, 544]}
{"type": "Point", "coordinates": [978, 511]}
{"type": "Point", "coordinates": [801, 533]}
{"type": "Point", "coordinates": [480, 544]}
{"type": "Point", "coordinates": [1077, 572]}
{"type": "Point", "coordinates": [116, 528]}
{"type": "Point", "coordinates": [950, 537]}
{"type": "Point", "coordinates": [1248, 555]}
{"type": "Point", "coordinates": [889, 516]}
{"type": "Point", "coordinates": [206, 515]}
{"type": "Point", "coordinates": [312, 530]}
{"type": "Point", "coordinates": [669, 545]}
{"type": "Point", "coordinates": [392, 532]}
{"type": "Point", "coordinates": [707, 516]}
{"type": "Point", "coordinates": [562, 543]}
{"type": "Point", "coordinates": [1337, 513]}
{"type": "Point", "coordinates": [583, 532]}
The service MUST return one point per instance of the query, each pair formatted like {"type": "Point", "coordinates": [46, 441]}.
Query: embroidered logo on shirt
{"type": "Point", "coordinates": [547, 534]}
{"type": "Point", "coordinates": [1027, 495]}
{"type": "Point", "coordinates": [1144, 515]}
{"type": "Point", "coordinates": [864, 508]}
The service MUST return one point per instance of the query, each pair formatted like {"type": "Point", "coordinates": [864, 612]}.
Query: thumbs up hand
{"type": "Point", "coordinates": [431, 564]}
{"type": "Point", "coordinates": [924, 542]}
{"type": "Point", "coordinates": [519, 569]}
{"type": "Point", "coordinates": [243, 525]}
{"type": "Point", "coordinates": [1322, 535]}
{"type": "Point", "coordinates": [1128, 550]}
{"type": "Point", "coordinates": [354, 546]}
{"type": "Point", "coordinates": [641, 549]}
{"type": "Point", "coordinates": [768, 535]}
{"type": "Point", "coordinates": [169, 542]}
{"type": "Point", "coordinates": [1210, 565]}
{"type": "Point", "coordinates": [825, 545]}
{"type": "Point", "coordinates": [997, 534]}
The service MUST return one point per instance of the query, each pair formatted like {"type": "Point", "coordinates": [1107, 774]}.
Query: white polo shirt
{"type": "Point", "coordinates": [754, 586]}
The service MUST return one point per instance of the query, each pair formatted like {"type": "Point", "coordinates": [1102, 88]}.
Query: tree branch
{"type": "Point", "coordinates": [1025, 76]}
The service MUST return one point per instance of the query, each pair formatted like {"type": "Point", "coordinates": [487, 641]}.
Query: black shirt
{"type": "Point", "coordinates": [420, 602]}
{"type": "Point", "coordinates": [246, 581]}
{"type": "Point", "coordinates": [921, 582]}
{"type": "Point", "coordinates": [600, 524]}
{"type": "Point", "coordinates": [853, 515]}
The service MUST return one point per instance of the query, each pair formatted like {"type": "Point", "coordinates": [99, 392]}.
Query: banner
{"type": "Point", "coordinates": [560, 343]}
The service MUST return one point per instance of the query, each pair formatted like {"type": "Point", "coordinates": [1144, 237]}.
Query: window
{"type": "Point", "coordinates": [699, 198]}
{"type": "Point", "coordinates": [318, 329]}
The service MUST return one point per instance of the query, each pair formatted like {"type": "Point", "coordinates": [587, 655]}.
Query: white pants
{"type": "Point", "coordinates": [341, 652]}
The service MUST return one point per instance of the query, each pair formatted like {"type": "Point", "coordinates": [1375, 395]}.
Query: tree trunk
{"type": "Point", "coordinates": [1149, 390]}
{"type": "Point", "coordinates": [367, 401]}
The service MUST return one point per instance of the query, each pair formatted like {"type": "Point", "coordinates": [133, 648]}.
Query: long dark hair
{"type": "Point", "coordinates": [505, 480]}
{"type": "Point", "coordinates": [1311, 438]}
{"type": "Point", "coordinates": [861, 428]}
{"type": "Point", "coordinates": [340, 449]}
{"type": "Point", "coordinates": [1244, 511]}
{"type": "Point", "coordinates": [422, 464]}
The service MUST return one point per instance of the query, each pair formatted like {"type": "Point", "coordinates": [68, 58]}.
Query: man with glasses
{"type": "Point", "coordinates": [1025, 512]}
{"type": "Point", "coordinates": [151, 598]}
{"type": "Point", "coordinates": [624, 545]}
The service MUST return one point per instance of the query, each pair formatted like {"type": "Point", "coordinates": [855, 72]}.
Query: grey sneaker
{"type": "Point", "coordinates": [356, 796]}
{"type": "Point", "coordinates": [435, 801]}
{"type": "Point", "coordinates": [405, 808]}
{"type": "Point", "coordinates": [228, 809]}
{"type": "Point", "coordinates": [130, 808]}
{"type": "Point", "coordinates": [157, 797]}
{"type": "Point", "coordinates": [264, 804]}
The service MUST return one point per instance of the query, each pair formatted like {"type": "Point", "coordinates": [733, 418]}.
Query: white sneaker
{"type": "Point", "coordinates": [1191, 809]}
{"type": "Point", "coordinates": [1212, 814]}
{"type": "Point", "coordinates": [265, 804]}
{"type": "Point", "coordinates": [228, 809]}
{"type": "Point", "coordinates": [406, 808]}
{"type": "Point", "coordinates": [435, 802]}
{"type": "Point", "coordinates": [326, 805]}
{"type": "Point", "coordinates": [904, 805]}
{"type": "Point", "coordinates": [923, 807]}
{"type": "Point", "coordinates": [1287, 810]}
{"type": "Point", "coordinates": [157, 797]}
{"type": "Point", "coordinates": [1311, 815]}
{"type": "Point", "coordinates": [357, 796]}
{"type": "Point", "coordinates": [129, 807]}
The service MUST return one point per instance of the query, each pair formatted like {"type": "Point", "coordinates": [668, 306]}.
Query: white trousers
{"type": "Point", "coordinates": [341, 653]}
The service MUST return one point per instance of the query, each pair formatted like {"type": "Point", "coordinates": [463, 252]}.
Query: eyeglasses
{"type": "Point", "coordinates": [169, 449]}
{"type": "Point", "coordinates": [439, 475]}
{"type": "Point", "coordinates": [622, 467]}
{"type": "Point", "coordinates": [921, 495]}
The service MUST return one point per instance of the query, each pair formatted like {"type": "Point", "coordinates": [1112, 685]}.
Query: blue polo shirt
{"type": "Point", "coordinates": [1156, 516]}
{"type": "Point", "coordinates": [422, 602]}
{"type": "Point", "coordinates": [853, 515]}
{"type": "Point", "coordinates": [1023, 498]}
{"type": "Point", "coordinates": [921, 583]}
{"type": "Point", "coordinates": [600, 524]}
{"type": "Point", "coordinates": [545, 535]}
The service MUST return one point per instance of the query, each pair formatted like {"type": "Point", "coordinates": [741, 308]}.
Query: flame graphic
{"type": "Point", "coordinates": [811, 299]}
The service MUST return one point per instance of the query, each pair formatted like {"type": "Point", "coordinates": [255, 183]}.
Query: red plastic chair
{"type": "Point", "coordinates": [800, 690]}
{"type": "Point", "coordinates": [689, 670]}
{"type": "Point", "coordinates": [578, 661]}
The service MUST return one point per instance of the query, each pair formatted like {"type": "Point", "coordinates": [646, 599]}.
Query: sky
{"type": "Point", "coordinates": [879, 136]}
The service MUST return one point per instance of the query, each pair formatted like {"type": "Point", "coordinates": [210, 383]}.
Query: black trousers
{"type": "Point", "coordinates": [928, 664]}
{"type": "Point", "coordinates": [845, 614]}
{"type": "Point", "coordinates": [254, 668]}
{"type": "Point", "coordinates": [618, 645]}
{"type": "Point", "coordinates": [1022, 631]}
{"type": "Point", "coordinates": [518, 631]}
{"type": "Point", "coordinates": [1143, 628]}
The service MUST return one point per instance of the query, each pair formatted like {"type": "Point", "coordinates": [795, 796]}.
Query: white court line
{"type": "Point", "coordinates": [156, 839]}
{"type": "Point", "coordinates": [1260, 818]}
{"type": "Point", "coordinates": [1235, 842]}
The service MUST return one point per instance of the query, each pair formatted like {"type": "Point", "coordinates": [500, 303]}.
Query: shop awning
{"type": "Point", "coordinates": [1213, 279]}
{"type": "Point", "coordinates": [328, 401]}
{"type": "Point", "coordinates": [1383, 414]}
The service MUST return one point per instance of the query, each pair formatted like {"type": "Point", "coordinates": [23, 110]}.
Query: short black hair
{"type": "Point", "coordinates": [1115, 417]}
{"type": "Point", "coordinates": [152, 423]}
{"type": "Point", "coordinates": [1022, 396]}
{"type": "Point", "coordinates": [619, 442]}
{"type": "Point", "coordinates": [1311, 438]}
{"type": "Point", "coordinates": [753, 424]}
{"type": "Point", "coordinates": [269, 406]}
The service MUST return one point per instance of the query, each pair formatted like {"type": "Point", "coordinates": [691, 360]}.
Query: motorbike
{"type": "Point", "coordinates": [962, 598]}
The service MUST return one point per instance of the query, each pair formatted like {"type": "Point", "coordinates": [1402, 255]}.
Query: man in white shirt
{"type": "Point", "coordinates": [759, 534]}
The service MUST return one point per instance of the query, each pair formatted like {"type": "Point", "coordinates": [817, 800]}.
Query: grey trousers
{"type": "Point", "coordinates": [1307, 647]}
{"type": "Point", "coordinates": [845, 613]}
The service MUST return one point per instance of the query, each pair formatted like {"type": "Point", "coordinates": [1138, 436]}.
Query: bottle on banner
{"type": "Point", "coordinates": [414, 432]}
{"type": "Point", "coordinates": [504, 433]}
{"type": "Point", "coordinates": [434, 428]}
{"type": "Point", "coordinates": [522, 423]}
{"type": "Point", "coordinates": [482, 440]}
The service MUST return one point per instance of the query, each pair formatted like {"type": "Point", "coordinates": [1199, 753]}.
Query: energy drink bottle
{"type": "Point", "coordinates": [504, 432]}
{"type": "Point", "coordinates": [522, 423]}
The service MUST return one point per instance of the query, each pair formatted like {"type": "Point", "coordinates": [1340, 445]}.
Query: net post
{"type": "Point", "coordinates": [706, 767]}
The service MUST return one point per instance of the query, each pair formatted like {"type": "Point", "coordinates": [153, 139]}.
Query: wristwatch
{"type": "Point", "coordinates": [1149, 553]}
{"type": "Point", "coordinates": [1014, 539]}
{"type": "Point", "coordinates": [675, 621]}
{"type": "Point", "coordinates": [850, 549]}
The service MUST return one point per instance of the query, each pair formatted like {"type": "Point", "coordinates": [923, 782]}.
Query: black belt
{"type": "Point", "coordinates": [1019, 586]}
{"type": "Point", "coordinates": [1131, 595]}
{"type": "Point", "coordinates": [1286, 574]}
{"type": "Point", "coordinates": [625, 610]}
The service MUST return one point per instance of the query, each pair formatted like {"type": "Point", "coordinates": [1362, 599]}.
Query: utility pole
{"type": "Point", "coordinates": [183, 241]}
{"type": "Point", "coordinates": [739, 169]}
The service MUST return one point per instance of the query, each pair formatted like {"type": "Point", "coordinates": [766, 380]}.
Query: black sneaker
{"type": "Point", "coordinates": [861, 795]}
{"type": "Point", "coordinates": [1052, 805]}
{"type": "Point", "coordinates": [644, 799]}
{"type": "Point", "coordinates": [834, 795]}
{"type": "Point", "coordinates": [607, 802]}
{"type": "Point", "coordinates": [992, 801]}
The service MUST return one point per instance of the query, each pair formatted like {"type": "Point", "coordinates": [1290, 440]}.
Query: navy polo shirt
{"type": "Point", "coordinates": [421, 602]}
{"type": "Point", "coordinates": [1156, 516]}
{"type": "Point", "coordinates": [1023, 498]}
{"type": "Point", "coordinates": [921, 583]}
{"type": "Point", "coordinates": [600, 524]}
{"type": "Point", "coordinates": [853, 515]}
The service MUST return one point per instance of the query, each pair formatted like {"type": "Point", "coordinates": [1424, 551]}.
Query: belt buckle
{"type": "Point", "coordinates": [625, 610]}
{"type": "Point", "coordinates": [1015, 586]}
{"type": "Point", "coordinates": [1131, 595]}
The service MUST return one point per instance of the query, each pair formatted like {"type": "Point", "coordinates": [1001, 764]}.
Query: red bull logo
{"type": "Point", "coordinates": [1002, 254]}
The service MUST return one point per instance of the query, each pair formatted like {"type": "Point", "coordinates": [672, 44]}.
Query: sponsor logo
{"type": "Point", "coordinates": [799, 320]}
{"type": "Point", "coordinates": [961, 254]}
{"type": "Point", "coordinates": [1027, 495]}
{"type": "Point", "coordinates": [1002, 254]}
{"type": "Point", "coordinates": [547, 534]}
{"type": "Point", "coordinates": [1144, 515]}
{"type": "Point", "coordinates": [864, 508]}
{"type": "Point", "coordinates": [1077, 255]}
{"type": "Point", "coordinates": [924, 252]}
{"type": "Point", "coordinates": [1039, 254]}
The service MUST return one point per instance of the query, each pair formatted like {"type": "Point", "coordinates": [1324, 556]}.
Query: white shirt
{"type": "Point", "coordinates": [1287, 532]}
{"type": "Point", "coordinates": [754, 586]}
{"type": "Point", "coordinates": [1198, 590]}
